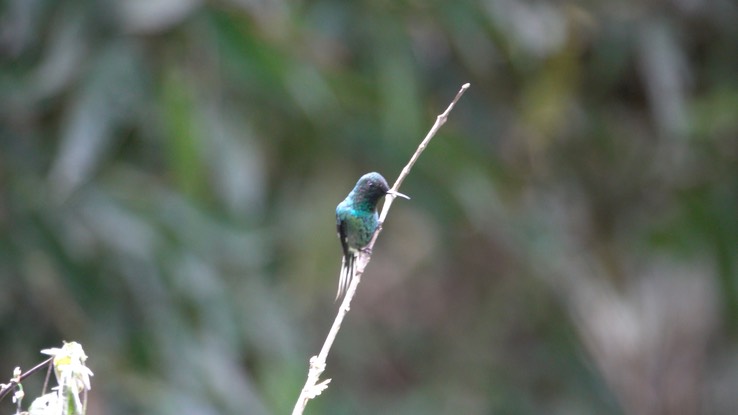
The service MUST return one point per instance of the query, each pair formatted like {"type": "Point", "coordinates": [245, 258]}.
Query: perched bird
{"type": "Point", "coordinates": [357, 220]}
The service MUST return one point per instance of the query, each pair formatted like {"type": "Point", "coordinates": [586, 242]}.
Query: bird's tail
{"type": "Point", "coordinates": [347, 274]}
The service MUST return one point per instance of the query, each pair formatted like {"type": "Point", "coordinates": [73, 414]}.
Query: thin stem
{"type": "Point", "coordinates": [15, 381]}
{"type": "Point", "coordinates": [317, 363]}
{"type": "Point", "coordinates": [440, 120]}
{"type": "Point", "coordinates": [46, 379]}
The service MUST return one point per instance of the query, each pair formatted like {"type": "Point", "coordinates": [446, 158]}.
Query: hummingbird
{"type": "Point", "coordinates": [357, 220]}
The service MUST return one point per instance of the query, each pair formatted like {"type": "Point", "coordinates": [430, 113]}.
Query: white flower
{"type": "Point", "coordinates": [71, 373]}
{"type": "Point", "coordinates": [48, 404]}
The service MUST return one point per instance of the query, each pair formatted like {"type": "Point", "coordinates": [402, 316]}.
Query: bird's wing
{"type": "Point", "coordinates": [342, 235]}
{"type": "Point", "coordinates": [347, 261]}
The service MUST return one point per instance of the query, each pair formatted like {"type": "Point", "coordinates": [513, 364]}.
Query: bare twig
{"type": "Point", "coordinates": [6, 388]}
{"type": "Point", "coordinates": [312, 386]}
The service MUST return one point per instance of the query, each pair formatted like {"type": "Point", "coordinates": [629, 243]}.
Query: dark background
{"type": "Point", "coordinates": [169, 171]}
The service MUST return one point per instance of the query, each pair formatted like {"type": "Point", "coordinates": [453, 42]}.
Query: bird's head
{"type": "Point", "coordinates": [371, 187]}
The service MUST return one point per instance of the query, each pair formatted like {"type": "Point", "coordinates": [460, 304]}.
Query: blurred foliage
{"type": "Point", "coordinates": [169, 171]}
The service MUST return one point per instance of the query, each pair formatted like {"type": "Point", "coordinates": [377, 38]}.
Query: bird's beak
{"type": "Point", "coordinates": [398, 194]}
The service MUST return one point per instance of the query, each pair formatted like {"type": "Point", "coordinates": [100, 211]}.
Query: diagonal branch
{"type": "Point", "coordinates": [440, 120]}
{"type": "Point", "coordinates": [312, 386]}
{"type": "Point", "coordinates": [15, 381]}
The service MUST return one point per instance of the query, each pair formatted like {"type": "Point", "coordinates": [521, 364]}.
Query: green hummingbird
{"type": "Point", "coordinates": [357, 220]}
